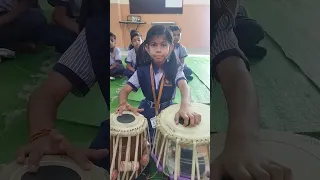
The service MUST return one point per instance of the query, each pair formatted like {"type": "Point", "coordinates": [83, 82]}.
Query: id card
{"type": "Point", "coordinates": [153, 122]}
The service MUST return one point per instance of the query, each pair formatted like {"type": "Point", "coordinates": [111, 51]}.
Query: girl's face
{"type": "Point", "coordinates": [136, 42]}
{"type": "Point", "coordinates": [159, 49]}
{"type": "Point", "coordinates": [112, 42]}
{"type": "Point", "coordinates": [176, 36]}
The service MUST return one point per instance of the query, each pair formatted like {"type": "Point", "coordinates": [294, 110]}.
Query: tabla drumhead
{"type": "Point", "coordinates": [200, 133]}
{"type": "Point", "coordinates": [128, 123]}
{"type": "Point", "coordinates": [300, 153]}
{"type": "Point", "coordinates": [53, 168]}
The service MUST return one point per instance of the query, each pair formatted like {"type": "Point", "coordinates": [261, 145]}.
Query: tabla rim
{"type": "Point", "coordinates": [171, 135]}
{"type": "Point", "coordinates": [14, 171]}
{"type": "Point", "coordinates": [132, 129]}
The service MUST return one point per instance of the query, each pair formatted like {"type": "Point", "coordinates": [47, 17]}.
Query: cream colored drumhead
{"type": "Point", "coordinates": [200, 133]}
{"type": "Point", "coordinates": [127, 124]}
{"type": "Point", "coordinates": [300, 153]}
{"type": "Point", "coordinates": [48, 165]}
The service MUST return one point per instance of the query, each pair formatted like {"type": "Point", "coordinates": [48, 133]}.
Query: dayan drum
{"type": "Point", "coordinates": [298, 152]}
{"type": "Point", "coordinates": [129, 145]}
{"type": "Point", "coordinates": [53, 168]}
{"type": "Point", "coordinates": [183, 152]}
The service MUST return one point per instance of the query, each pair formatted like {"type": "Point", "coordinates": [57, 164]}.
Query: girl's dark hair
{"type": "Point", "coordinates": [133, 34]}
{"type": "Point", "coordinates": [143, 58]}
{"type": "Point", "coordinates": [175, 28]}
{"type": "Point", "coordinates": [113, 35]}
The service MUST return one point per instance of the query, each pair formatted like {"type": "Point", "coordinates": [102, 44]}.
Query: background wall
{"type": "Point", "coordinates": [194, 22]}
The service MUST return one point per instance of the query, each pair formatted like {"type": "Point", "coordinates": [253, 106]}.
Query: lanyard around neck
{"type": "Point", "coordinates": [155, 100]}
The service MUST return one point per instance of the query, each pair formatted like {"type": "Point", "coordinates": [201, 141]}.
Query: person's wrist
{"type": "Point", "coordinates": [41, 133]}
{"type": "Point", "coordinates": [123, 104]}
{"type": "Point", "coordinates": [185, 104]}
{"type": "Point", "coordinates": [240, 138]}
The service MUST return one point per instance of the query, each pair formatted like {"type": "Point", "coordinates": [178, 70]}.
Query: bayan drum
{"type": "Point", "coordinates": [129, 137]}
{"type": "Point", "coordinates": [183, 152]}
{"type": "Point", "coordinates": [298, 152]}
{"type": "Point", "coordinates": [53, 168]}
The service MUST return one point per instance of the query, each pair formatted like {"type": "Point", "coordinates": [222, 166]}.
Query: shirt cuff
{"type": "Point", "coordinates": [80, 88]}
{"type": "Point", "coordinates": [229, 53]}
{"type": "Point", "coordinates": [135, 89]}
{"type": "Point", "coordinates": [180, 78]}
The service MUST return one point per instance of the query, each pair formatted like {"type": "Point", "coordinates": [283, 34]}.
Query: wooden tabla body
{"type": "Point", "coordinates": [53, 168]}
{"type": "Point", "coordinates": [298, 152]}
{"type": "Point", "coordinates": [128, 149]}
{"type": "Point", "coordinates": [182, 152]}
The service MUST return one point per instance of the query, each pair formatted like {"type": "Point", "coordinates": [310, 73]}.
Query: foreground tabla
{"type": "Point", "coordinates": [182, 152]}
{"type": "Point", "coordinates": [300, 153]}
{"type": "Point", "coordinates": [53, 168]}
{"type": "Point", "coordinates": [128, 148]}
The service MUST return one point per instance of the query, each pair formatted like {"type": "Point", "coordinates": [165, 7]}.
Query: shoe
{"type": "Point", "coordinates": [7, 53]}
{"type": "Point", "coordinates": [256, 52]}
{"type": "Point", "coordinates": [189, 78]}
{"type": "Point", "coordinates": [112, 78]}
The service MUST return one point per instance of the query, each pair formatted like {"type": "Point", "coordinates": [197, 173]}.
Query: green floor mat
{"type": "Point", "coordinates": [288, 101]}
{"type": "Point", "coordinates": [15, 74]}
{"type": "Point", "coordinates": [89, 110]}
{"type": "Point", "coordinates": [201, 67]}
{"type": "Point", "coordinates": [293, 25]}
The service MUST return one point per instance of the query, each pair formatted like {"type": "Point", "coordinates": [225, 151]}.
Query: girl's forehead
{"type": "Point", "coordinates": [136, 37]}
{"type": "Point", "coordinates": [158, 39]}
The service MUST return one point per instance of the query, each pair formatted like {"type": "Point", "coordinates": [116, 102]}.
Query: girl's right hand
{"type": "Point", "coordinates": [57, 144]}
{"type": "Point", "coordinates": [128, 107]}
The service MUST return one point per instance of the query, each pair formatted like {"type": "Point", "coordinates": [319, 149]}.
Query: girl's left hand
{"type": "Point", "coordinates": [190, 117]}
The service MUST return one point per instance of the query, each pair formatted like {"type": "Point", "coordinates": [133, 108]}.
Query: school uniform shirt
{"type": "Point", "coordinates": [7, 5]}
{"type": "Point", "coordinates": [115, 56]}
{"type": "Point", "coordinates": [225, 42]}
{"type": "Point", "coordinates": [131, 58]}
{"type": "Point", "coordinates": [180, 51]}
{"type": "Point", "coordinates": [141, 79]}
{"type": "Point", "coordinates": [73, 6]}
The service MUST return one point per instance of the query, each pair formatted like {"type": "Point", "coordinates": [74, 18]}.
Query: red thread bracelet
{"type": "Point", "coordinates": [41, 133]}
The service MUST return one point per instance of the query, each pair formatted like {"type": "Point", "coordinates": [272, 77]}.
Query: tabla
{"type": "Point", "coordinates": [128, 150]}
{"type": "Point", "coordinates": [53, 168]}
{"type": "Point", "coordinates": [298, 152]}
{"type": "Point", "coordinates": [183, 152]}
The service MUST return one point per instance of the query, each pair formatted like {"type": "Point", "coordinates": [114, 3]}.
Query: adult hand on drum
{"type": "Point", "coordinates": [57, 144]}
{"type": "Point", "coordinates": [190, 117]}
{"type": "Point", "coordinates": [245, 162]}
{"type": "Point", "coordinates": [128, 107]}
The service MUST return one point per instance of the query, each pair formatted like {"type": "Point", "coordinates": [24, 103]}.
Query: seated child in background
{"type": "Point", "coordinates": [131, 33]}
{"type": "Point", "coordinates": [22, 24]}
{"type": "Point", "coordinates": [180, 51]}
{"type": "Point", "coordinates": [136, 41]}
{"type": "Point", "coordinates": [116, 67]}
{"type": "Point", "coordinates": [65, 27]}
